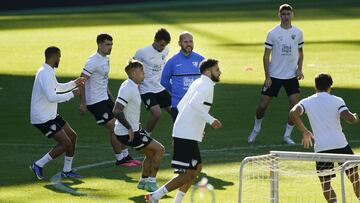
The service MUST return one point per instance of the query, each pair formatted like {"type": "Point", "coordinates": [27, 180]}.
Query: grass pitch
{"type": "Point", "coordinates": [230, 31]}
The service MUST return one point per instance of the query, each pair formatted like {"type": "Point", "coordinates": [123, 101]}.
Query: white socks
{"type": "Point", "coordinates": [44, 160]}
{"type": "Point", "coordinates": [143, 179]}
{"type": "Point", "coordinates": [68, 163]}
{"type": "Point", "coordinates": [159, 193]}
{"type": "Point", "coordinates": [257, 125]}
{"type": "Point", "coordinates": [125, 152]}
{"type": "Point", "coordinates": [288, 130]}
{"type": "Point", "coordinates": [179, 197]}
{"type": "Point", "coordinates": [151, 179]}
{"type": "Point", "coordinates": [119, 156]}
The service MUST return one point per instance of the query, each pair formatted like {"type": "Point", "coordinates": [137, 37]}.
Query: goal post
{"type": "Point", "coordinates": [283, 176]}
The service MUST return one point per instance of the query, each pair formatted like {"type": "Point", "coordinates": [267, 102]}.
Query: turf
{"type": "Point", "coordinates": [231, 31]}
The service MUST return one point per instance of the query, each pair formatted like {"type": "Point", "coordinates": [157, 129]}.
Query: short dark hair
{"type": "Point", "coordinates": [50, 51]}
{"type": "Point", "coordinates": [102, 37]}
{"type": "Point", "coordinates": [285, 7]}
{"type": "Point", "coordinates": [132, 64]}
{"type": "Point", "coordinates": [323, 81]}
{"type": "Point", "coordinates": [162, 34]}
{"type": "Point", "coordinates": [207, 63]}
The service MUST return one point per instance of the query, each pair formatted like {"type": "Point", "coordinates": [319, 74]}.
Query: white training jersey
{"type": "Point", "coordinates": [129, 97]}
{"type": "Point", "coordinates": [97, 68]}
{"type": "Point", "coordinates": [284, 45]}
{"type": "Point", "coordinates": [46, 94]}
{"type": "Point", "coordinates": [194, 110]}
{"type": "Point", "coordinates": [323, 111]}
{"type": "Point", "coordinates": [154, 62]}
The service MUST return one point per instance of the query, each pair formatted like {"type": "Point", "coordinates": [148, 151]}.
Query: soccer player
{"type": "Point", "coordinates": [96, 97]}
{"type": "Point", "coordinates": [46, 95]}
{"type": "Point", "coordinates": [181, 70]}
{"type": "Point", "coordinates": [188, 131]}
{"type": "Point", "coordinates": [285, 45]}
{"type": "Point", "coordinates": [153, 94]}
{"type": "Point", "coordinates": [127, 126]}
{"type": "Point", "coordinates": [324, 112]}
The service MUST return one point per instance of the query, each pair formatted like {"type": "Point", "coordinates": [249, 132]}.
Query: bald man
{"type": "Point", "coordinates": [181, 69]}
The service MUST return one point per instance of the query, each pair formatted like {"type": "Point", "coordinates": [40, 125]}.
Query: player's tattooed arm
{"type": "Point", "coordinates": [118, 112]}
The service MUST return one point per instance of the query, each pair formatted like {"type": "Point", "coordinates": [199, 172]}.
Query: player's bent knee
{"type": "Point", "coordinates": [155, 111]}
{"type": "Point", "coordinates": [159, 150]}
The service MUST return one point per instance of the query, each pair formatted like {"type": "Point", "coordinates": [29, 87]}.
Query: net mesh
{"type": "Point", "coordinates": [266, 177]}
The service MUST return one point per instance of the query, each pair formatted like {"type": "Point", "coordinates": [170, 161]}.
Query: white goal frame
{"type": "Point", "coordinates": [277, 156]}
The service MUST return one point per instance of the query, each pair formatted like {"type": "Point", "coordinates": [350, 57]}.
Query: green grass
{"type": "Point", "coordinates": [230, 31]}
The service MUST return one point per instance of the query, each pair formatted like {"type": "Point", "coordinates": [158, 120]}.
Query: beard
{"type": "Point", "coordinates": [186, 50]}
{"type": "Point", "coordinates": [215, 79]}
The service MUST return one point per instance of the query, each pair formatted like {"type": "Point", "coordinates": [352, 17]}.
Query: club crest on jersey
{"type": "Point", "coordinates": [293, 37]}
{"type": "Point", "coordinates": [106, 115]}
{"type": "Point", "coordinates": [193, 162]}
{"type": "Point", "coordinates": [195, 63]}
{"type": "Point", "coordinates": [145, 139]}
{"type": "Point", "coordinates": [53, 127]}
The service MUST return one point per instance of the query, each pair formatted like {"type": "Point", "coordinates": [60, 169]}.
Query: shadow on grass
{"type": "Point", "coordinates": [234, 105]}
{"type": "Point", "coordinates": [141, 198]}
{"type": "Point", "coordinates": [218, 184]}
{"type": "Point", "coordinates": [67, 186]}
{"type": "Point", "coordinates": [177, 12]}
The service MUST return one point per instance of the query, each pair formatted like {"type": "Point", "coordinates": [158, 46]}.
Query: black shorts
{"type": "Point", "coordinates": [186, 154]}
{"type": "Point", "coordinates": [328, 166]}
{"type": "Point", "coordinates": [291, 87]}
{"type": "Point", "coordinates": [163, 99]}
{"type": "Point", "coordinates": [141, 140]}
{"type": "Point", "coordinates": [51, 127]}
{"type": "Point", "coordinates": [102, 111]}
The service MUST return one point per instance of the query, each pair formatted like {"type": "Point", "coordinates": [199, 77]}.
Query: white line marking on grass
{"type": "Point", "coordinates": [253, 146]}
{"type": "Point", "coordinates": [48, 145]}
{"type": "Point", "coordinates": [56, 179]}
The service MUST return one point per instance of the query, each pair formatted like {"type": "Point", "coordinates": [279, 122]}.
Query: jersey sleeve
{"type": "Point", "coordinates": [138, 56]}
{"type": "Point", "coordinates": [166, 75]}
{"type": "Point", "coordinates": [301, 40]}
{"type": "Point", "coordinates": [269, 42]}
{"type": "Point", "coordinates": [341, 105]}
{"type": "Point", "coordinates": [50, 90]}
{"type": "Point", "coordinates": [302, 105]}
{"type": "Point", "coordinates": [124, 96]}
{"type": "Point", "coordinates": [89, 68]}
{"type": "Point", "coordinates": [197, 103]}
{"type": "Point", "coordinates": [201, 59]}
{"type": "Point", "coordinates": [63, 87]}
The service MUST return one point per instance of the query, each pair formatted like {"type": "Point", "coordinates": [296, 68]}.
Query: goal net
{"type": "Point", "coordinates": [292, 177]}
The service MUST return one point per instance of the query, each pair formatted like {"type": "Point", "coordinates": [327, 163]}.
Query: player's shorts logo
{"type": "Point", "coordinates": [264, 88]}
{"type": "Point", "coordinates": [193, 162]}
{"type": "Point", "coordinates": [106, 115]}
{"type": "Point", "coordinates": [145, 139]}
{"type": "Point", "coordinates": [53, 127]}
